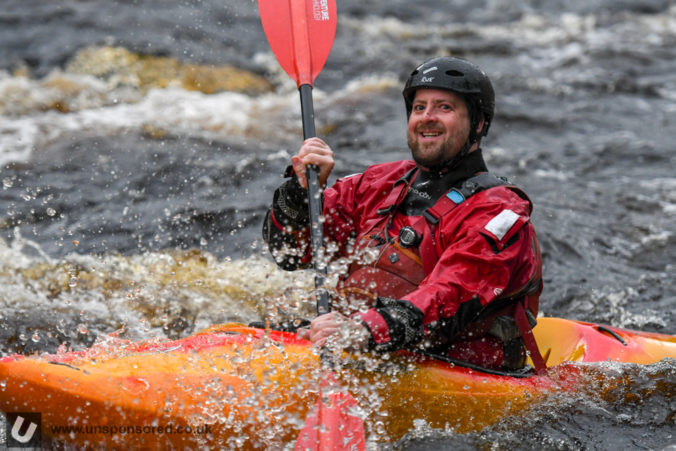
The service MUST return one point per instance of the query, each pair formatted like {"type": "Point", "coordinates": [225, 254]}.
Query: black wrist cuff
{"type": "Point", "coordinates": [404, 321]}
{"type": "Point", "coordinates": [290, 205]}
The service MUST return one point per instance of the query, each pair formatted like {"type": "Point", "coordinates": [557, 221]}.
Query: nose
{"type": "Point", "coordinates": [428, 114]}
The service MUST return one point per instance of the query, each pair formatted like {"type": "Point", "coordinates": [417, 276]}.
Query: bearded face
{"type": "Point", "coordinates": [438, 127]}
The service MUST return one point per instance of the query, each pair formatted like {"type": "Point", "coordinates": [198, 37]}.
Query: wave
{"type": "Point", "coordinates": [69, 302]}
{"type": "Point", "coordinates": [35, 115]}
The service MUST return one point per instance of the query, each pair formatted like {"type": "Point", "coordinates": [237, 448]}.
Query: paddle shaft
{"type": "Point", "coordinates": [314, 203]}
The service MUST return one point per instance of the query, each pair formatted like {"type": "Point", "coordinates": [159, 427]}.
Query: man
{"type": "Point", "coordinates": [439, 255]}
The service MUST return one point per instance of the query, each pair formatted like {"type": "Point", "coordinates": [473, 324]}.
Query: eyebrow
{"type": "Point", "coordinates": [451, 101]}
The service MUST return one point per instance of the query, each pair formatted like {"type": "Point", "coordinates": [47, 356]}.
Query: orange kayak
{"type": "Point", "coordinates": [233, 386]}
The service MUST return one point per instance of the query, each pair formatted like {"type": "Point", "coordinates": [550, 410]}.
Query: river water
{"type": "Point", "coordinates": [141, 140]}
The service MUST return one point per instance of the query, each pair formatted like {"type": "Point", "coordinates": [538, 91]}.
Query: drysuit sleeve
{"type": "Point", "coordinates": [488, 251]}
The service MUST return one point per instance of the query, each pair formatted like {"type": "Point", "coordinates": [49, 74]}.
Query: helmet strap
{"type": "Point", "coordinates": [450, 164]}
{"type": "Point", "coordinates": [463, 152]}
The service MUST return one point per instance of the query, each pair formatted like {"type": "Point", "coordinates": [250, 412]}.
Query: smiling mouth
{"type": "Point", "coordinates": [430, 134]}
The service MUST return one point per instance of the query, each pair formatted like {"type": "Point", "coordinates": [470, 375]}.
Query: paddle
{"type": "Point", "coordinates": [300, 33]}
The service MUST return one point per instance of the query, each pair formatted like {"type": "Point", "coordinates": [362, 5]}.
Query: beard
{"type": "Point", "coordinates": [434, 156]}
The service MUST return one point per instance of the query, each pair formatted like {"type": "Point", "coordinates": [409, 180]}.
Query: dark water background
{"type": "Point", "coordinates": [141, 209]}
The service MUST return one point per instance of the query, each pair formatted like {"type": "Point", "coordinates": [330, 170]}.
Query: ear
{"type": "Point", "coordinates": [480, 125]}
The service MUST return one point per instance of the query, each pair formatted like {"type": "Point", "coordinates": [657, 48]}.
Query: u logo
{"type": "Point", "coordinates": [24, 429]}
{"type": "Point", "coordinates": [26, 436]}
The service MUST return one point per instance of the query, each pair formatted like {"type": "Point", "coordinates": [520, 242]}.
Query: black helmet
{"type": "Point", "coordinates": [462, 77]}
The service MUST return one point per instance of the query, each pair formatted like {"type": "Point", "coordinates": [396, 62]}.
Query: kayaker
{"type": "Point", "coordinates": [437, 253]}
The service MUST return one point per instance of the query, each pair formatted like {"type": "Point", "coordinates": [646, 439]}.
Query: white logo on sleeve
{"type": "Point", "coordinates": [502, 223]}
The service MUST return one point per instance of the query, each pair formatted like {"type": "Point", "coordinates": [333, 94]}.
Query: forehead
{"type": "Point", "coordinates": [434, 95]}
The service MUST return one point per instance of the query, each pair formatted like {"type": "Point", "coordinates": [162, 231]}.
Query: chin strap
{"type": "Point", "coordinates": [464, 151]}
{"type": "Point", "coordinates": [442, 168]}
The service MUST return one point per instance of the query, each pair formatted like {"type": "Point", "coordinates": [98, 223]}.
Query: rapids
{"type": "Point", "coordinates": [140, 142]}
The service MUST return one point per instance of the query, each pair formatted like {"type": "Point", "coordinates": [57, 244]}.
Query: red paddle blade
{"type": "Point", "coordinates": [334, 424]}
{"type": "Point", "coordinates": [300, 33]}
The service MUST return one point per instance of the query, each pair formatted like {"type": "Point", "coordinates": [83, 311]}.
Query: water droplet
{"type": "Point", "coordinates": [72, 282]}
{"type": "Point", "coordinates": [35, 337]}
{"type": "Point", "coordinates": [203, 242]}
{"type": "Point", "coordinates": [7, 182]}
{"type": "Point", "coordinates": [51, 212]}
{"type": "Point", "coordinates": [380, 427]}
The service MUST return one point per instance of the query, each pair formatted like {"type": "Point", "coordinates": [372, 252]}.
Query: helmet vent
{"type": "Point", "coordinates": [455, 73]}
